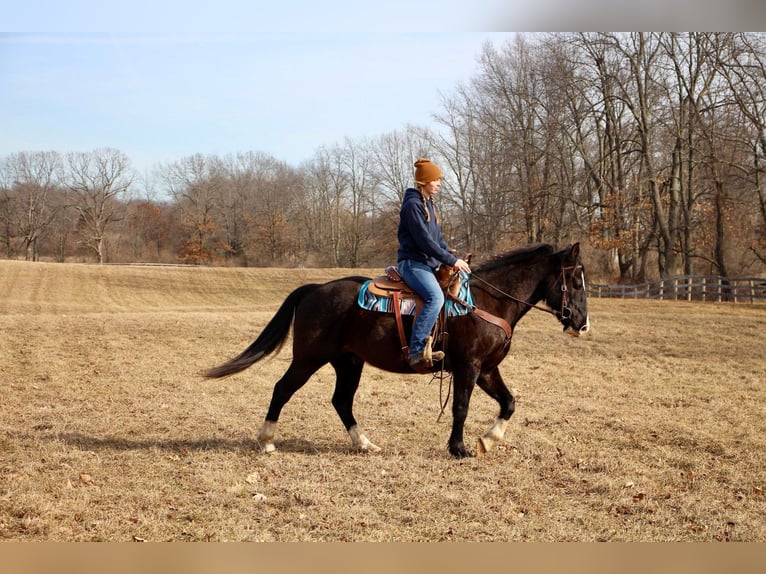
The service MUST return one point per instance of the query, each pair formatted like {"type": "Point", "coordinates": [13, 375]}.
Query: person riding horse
{"type": "Point", "coordinates": [329, 326]}
{"type": "Point", "coordinates": [422, 250]}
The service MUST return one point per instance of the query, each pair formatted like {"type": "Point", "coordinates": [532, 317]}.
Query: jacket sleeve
{"type": "Point", "coordinates": [415, 220]}
{"type": "Point", "coordinates": [442, 242]}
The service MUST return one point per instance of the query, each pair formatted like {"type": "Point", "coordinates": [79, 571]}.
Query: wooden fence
{"type": "Point", "coordinates": [689, 288]}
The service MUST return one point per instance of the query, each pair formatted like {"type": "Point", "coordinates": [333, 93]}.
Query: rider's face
{"type": "Point", "coordinates": [431, 188]}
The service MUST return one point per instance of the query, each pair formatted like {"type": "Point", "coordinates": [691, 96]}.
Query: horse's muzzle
{"type": "Point", "coordinates": [570, 330]}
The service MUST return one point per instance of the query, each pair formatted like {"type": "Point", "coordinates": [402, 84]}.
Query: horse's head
{"type": "Point", "coordinates": [566, 295]}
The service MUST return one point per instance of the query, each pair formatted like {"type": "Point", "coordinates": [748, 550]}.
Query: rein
{"type": "Point", "coordinates": [565, 311]}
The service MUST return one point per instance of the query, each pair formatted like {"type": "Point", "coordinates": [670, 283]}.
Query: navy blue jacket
{"type": "Point", "coordinates": [419, 239]}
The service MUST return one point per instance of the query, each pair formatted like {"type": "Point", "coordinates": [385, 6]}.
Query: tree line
{"type": "Point", "coordinates": [648, 147]}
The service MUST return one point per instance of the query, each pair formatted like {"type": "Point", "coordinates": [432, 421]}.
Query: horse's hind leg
{"type": "Point", "coordinates": [348, 370]}
{"type": "Point", "coordinates": [294, 378]}
{"type": "Point", "coordinates": [492, 383]}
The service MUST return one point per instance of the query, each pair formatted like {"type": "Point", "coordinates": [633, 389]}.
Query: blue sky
{"type": "Point", "coordinates": [165, 79]}
{"type": "Point", "coordinates": [160, 97]}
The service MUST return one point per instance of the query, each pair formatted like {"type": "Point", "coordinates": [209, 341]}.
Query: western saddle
{"type": "Point", "coordinates": [392, 285]}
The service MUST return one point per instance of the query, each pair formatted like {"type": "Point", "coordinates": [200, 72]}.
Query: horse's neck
{"type": "Point", "coordinates": [505, 294]}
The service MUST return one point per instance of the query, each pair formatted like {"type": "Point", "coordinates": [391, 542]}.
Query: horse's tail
{"type": "Point", "coordinates": [271, 338]}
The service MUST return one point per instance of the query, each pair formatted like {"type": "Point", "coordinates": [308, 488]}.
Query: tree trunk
{"type": "Point", "coordinates": [720, 230]}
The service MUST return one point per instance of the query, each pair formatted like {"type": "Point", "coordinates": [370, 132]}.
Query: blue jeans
{"type": "Point", "coordinates": [422, 279]}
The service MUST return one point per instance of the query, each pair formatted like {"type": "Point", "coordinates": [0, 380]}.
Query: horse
{"type": "Point", "coordinates": [330, 327]}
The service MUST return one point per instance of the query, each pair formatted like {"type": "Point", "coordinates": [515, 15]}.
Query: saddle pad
{"type": "Point", "coordinates": [371, 302]}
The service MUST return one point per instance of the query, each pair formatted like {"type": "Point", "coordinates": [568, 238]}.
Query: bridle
{"type": "Point", "coordinates": [566, 311]}
{"type": "Point", "coordinates": [562, 314]}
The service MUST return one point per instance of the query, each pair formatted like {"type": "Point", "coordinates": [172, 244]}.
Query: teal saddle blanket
{"type": "Point", "coordinates": [372, 302]}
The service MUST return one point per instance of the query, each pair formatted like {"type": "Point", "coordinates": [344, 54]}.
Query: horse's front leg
{"type": "Point", "coordinates": [492, 383]}
{"type": "Point", "coordinates": [463, 387]}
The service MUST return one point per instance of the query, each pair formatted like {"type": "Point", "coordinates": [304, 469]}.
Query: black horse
{"type": "Point", "coordinates": [329, 327]}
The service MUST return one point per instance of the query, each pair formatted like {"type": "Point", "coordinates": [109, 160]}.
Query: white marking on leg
{"type": "Point", "coordinates": [494, 435]}
{"type": "Point", "coordinates": [360, 441]}
{"type": "Point", "coordinates": [266, 436]}
{"type": "Point", "coordinates": [585, 328]}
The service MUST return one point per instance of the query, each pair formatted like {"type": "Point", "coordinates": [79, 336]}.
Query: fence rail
{"type": "Point", "coordinates": [689, 288]}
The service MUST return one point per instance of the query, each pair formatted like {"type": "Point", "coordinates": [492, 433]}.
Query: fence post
{"type": "Point", "coordinates": [689, 288]}
{"type": "Point", "coordinates": [720, 289]}
{"type": "Point", "coordinates": [662, 289]}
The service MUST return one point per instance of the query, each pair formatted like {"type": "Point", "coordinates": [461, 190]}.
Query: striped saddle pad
{"type": "Point", "coordinates": [373, 298]}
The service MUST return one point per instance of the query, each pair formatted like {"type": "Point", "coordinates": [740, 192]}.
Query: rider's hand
{"type": "Point", "coordinates": [461, 265]}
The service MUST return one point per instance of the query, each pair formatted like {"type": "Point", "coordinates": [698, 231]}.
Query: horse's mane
{"type": "Point", "coordinates": [515, 256]}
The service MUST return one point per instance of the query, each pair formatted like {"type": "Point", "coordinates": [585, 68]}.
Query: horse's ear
{"type": "Point", "coordinates": [574, 250]}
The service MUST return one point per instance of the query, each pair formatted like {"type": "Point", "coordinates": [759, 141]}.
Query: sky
{"type": "Point", "coordinates": [160, 98]}
{"type": "Point", "coordinates": [163, 80]}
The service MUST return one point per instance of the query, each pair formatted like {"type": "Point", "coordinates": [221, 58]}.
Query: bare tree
{"type": "Point", "coordinates": [460, 143]}
{"type": "Point", "coordinates": [7, 225]}
{"type": "Point", "coordinates": [34, 178]}
{"type": "Point", "coordinates": [239, 202]}
{"type": "Point", "coordinates": [195, 184]}
{"type": "Point", "coordinates": [393, 156]}
{"type": "Point", "coordinates": [642, 95]}
{"type": "Point", "coordinates": [326, 184]}
{"type": "Point", "coordinates": [98, 180]}
{"type": "Point", "coordinates": [607, 137]}
{"type": "Point", "coordinates": [743, 64]}
{"type": "Point", "coordinates": [359, 198]}
{"type": "Point", "coordinates": [391, 165]}
{"type": "Point", "coordinates": [264, 190]}
{"type": "Point", "coordinates": [489, 144]}
{"type": "Point", "coordinates": [340, 188]}
{"type": "Point", "coordinates": [509, 150]}
{"type": "Point", "coordinates": [636, 162]}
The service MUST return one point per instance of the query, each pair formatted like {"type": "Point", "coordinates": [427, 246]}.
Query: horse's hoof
{"type": "Point", "coordinates": [369, 447]}
{"type": "Point", "coordinates": [460, 452]}
{"type": "Point", "coordinates": [360, 441]}
{"type": "Point", "coordinates": [269, 448]}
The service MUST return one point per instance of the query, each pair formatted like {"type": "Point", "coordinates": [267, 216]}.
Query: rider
{"type": "Point", "coordinates": [422, 250]}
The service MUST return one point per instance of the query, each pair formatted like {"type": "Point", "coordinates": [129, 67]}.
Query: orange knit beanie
{"type": "Point", "coordinates": [426, 171]}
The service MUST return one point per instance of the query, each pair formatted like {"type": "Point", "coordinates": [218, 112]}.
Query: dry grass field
{"type": "Point", "coordinates": [651, 428]}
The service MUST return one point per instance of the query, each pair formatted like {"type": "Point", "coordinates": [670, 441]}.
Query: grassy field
{"type": "Point", "coordinates": [651, 428]}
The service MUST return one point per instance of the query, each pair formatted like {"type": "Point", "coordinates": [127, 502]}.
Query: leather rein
{"type": "Point", "coordinates": [564, 313]}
